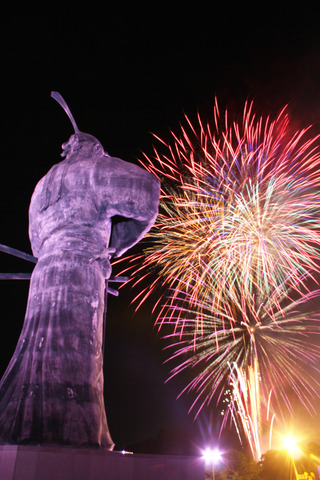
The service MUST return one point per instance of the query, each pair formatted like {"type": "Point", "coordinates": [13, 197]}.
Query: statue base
{"type": "Point", "coordinates": [26, 462]}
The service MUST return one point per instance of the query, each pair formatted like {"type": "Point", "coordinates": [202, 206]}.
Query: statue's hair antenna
{"type": "Point", "coordinates": [59, 98]}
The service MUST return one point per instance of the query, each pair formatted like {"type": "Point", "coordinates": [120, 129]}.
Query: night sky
{"type": "Point", "coordinates": [126, 71]}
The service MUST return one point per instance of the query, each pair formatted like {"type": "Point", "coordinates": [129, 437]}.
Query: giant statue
{"type": "Point", "coordinates": [86, 209]}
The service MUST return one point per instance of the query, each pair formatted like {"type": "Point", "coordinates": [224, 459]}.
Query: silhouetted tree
{"type": "Point", "coordinates": [278, 465]}
{"type": "Point", "coordinates": [239, 466]}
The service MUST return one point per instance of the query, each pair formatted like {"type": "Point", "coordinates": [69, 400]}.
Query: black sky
{"type": "Point", "coordinates": [128, 69]}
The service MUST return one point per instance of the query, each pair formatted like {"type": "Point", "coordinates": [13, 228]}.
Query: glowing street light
{"type": "Point", "coordinates": [211, 457]}
{"type": "Point", "coordinates": [291, 445]}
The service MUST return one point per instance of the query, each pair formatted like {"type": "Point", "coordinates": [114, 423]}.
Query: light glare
{"type": "Point", "coordinates": [212, 456]}
{"type": "Point", "coordinates": [291, 445]}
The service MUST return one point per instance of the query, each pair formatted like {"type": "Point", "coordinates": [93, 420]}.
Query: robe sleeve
{"type": "Point", "coordinates": [34, 234]}
{"type": "Point", "coordinates": [129, 195]}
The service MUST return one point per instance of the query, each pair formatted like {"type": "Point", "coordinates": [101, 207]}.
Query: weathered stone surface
{"type": "Point", "coordinates": [88, 207]}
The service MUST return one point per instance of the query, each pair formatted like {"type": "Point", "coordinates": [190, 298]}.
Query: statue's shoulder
{"type": "Point", "coordinates": [115, 166]}
{"type": "Point", "coordinates": [108, 166]}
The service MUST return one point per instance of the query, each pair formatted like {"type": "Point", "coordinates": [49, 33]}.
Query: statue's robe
{"type": "Point", "coordinates": [52, 390]}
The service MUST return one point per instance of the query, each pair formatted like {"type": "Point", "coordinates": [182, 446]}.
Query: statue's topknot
{"type": "Point", "coordinates": [59, 98]}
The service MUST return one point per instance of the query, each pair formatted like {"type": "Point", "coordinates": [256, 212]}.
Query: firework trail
{"type": "Point", "coordinates": [239, 212]}
{"type": "Point", "coordinates": [246, 404]}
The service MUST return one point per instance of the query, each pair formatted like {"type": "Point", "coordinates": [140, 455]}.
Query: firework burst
{"type": "Point", "coordinates": [267, 350]}
{"type": "Point", "coordinates": [233, 259]}
{"type": "Point", "coordinates": [282, 344]}
{"type": "Point", "coordinates": [239, 212]}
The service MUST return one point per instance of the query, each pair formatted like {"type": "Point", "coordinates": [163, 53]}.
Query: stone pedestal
{"type": "Point", "coordinates": [63, 463]}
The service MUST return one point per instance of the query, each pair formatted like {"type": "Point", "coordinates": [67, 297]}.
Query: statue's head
{"type": "Point", "coordinates": [81, 144]}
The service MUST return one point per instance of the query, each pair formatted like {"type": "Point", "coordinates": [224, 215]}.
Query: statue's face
{"type": "Point", "coordinates": [83, 145]}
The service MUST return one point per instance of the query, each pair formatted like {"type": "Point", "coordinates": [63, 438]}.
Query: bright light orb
{"type": "Point", "coordinates": [291, 445]}
{"type": "Point", "coordinates": [211, 456]}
